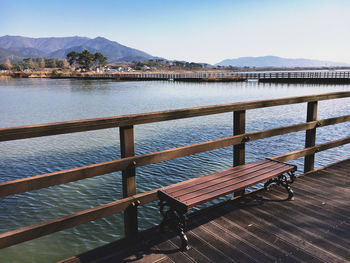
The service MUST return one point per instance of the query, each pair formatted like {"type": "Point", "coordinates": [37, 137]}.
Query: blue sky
{"type": "Point", "coordinates": [193, 30]}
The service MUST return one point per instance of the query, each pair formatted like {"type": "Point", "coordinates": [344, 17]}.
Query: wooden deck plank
{"type": "Point", "coordinates": [292, 252]}
{"type": "Point", "coordinates": [332, 174]}
{"type": "Point", "coordinates": [341, 167]}
{"type": "Point", "coordinates": [314, 227]}
{"type": "Point", "coordinates": [323, 201]}
{"type": "Point", "coordinates": [326, 182]}
{"type": "Point", "coordinates": [230, 253]}
{"type": "Point", "coordinates": [209, 249]}
{"type": "Point", "coordinates": [334, 214]}
{"type": "Point", "coordinates": [288, 233]}
{"type": "Point", "coordinates": [332, 189]}
{"type": "Point", "coordinates": [319, 207]}
{"type": "Point", "coordinates": [269, 251]}
{"type": "Point", "coordinates": [235, 241]}
{"type": "Point", "coordinates": [240, 248]}
{"type": "Point", "coordinates": [164, 260]}
{"type": "Point", "coordinates": [322, 194]}
{"type": "Point", "coordinates": [195, 252]}
{"type": "Point", "coordinates": [320, 216]}
{"type": "Point", "coordinates": [312, 232]}
{"type": "Point", "coordinates": [168, 247]}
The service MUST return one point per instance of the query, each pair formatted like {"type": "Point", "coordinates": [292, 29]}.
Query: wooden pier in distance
{"type": "Point", "coordinates": [226, 76]}
{"type": "Point", "coordinates": [261, 227]}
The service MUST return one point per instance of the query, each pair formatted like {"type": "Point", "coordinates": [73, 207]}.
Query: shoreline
{"type": "Point", "coordinates": [134, 76]}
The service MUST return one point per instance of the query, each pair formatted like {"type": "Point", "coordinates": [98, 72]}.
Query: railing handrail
{"type": "Point", "coordinates": [70, 175]}
{"type": "Point", "coordinates": [32, 131]}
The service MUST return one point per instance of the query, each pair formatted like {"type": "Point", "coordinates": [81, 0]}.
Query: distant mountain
{"type": "Point", "coordinates": [45, 44]}
{"type": "Point", "coordinates": [61, 53]}
{"type": "Point", "coordinates": [59, 47]}
{"type": "Point", "coordinates": [12, 55]}
{"type": "Point", "coordinates": [30, 52]}
{"type": "Point", "coordinates": [110, 49]}
{"type": "Point", "coordinates": [278, 62]}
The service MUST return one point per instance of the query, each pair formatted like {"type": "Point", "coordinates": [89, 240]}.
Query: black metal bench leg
{"type": "Point", "coordinates": [287, 183]}
{"type": "Point", "coordinates": [165, 215]}
{"type": "Point", "coordinates": [176, 221]}
{"type": "Point", "coordinates": [283, 180]}
{"type": "Point", "coordinates": [271, 181]}
{"type": "Point", "coordinates": [181, 231]}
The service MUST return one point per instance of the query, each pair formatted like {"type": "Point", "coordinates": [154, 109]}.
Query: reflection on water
{"type": "Point", "coordinates": [33, 101]}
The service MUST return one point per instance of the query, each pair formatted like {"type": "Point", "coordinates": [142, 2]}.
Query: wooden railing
{"type": "Point", "coordinates": [298, 75]}
{"type": "Point", "coordinates": [129, 161]}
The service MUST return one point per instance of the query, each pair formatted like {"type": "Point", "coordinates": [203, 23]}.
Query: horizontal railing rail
{"type": "Point", "coordinates": [71, 175]}
{"type": "Point", "coordinates": [129, 162]}
{"type": "Point", "coordinates": [31, 131]}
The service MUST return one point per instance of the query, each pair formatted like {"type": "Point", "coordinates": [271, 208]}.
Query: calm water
{"type": "Point", "coordinates": [27, 101]}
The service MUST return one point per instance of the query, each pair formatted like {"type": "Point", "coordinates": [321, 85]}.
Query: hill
{"type": "Point", "coordinates": [13, 55]}
{"type": "Point", "coordinates": [20, 47]}
{"type": "Point", "coordinates": [278, 62]}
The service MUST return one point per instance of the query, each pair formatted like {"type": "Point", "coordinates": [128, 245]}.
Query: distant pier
{"type": "Point", "coordinates": [280, 76]}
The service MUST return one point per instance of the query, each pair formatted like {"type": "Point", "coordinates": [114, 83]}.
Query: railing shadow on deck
{"type": "Point", "coordinates": [128, 163]}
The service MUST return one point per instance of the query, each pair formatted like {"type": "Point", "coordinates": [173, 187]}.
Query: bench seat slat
{"type": "Point", "coordinates": [172, 189]}
{"type": "Point", "coordinates": [221, 178]}
{"type": "Point", "coordinates": [230, 189]}
{"type": "Point", "coordinates": [223, 182]}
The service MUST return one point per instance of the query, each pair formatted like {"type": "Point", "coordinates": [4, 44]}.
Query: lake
{"type": "Point", "coordinates": [34, 101]}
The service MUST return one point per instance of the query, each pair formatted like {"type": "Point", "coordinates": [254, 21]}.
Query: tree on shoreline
{"type": "Point", "coordinates": [41, 63]}
{"type": "Point", "coordinates": [7, 65]}
{"type": "Point", "coordinates": [37, 63]}
{"type": "Point", "coordinates": [85, 60]}
{"type": "Point", "coordinates": [72, 58]}
{"type": "Point", "coordinates": [29, 63]}
{"type": "Point", "coordinates": [100, 59]}
{"type": "Point", "coordinates": [51, 63]}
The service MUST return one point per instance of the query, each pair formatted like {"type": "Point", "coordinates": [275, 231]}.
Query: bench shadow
{"type": "Point", "coordinates": [205, 215]}
{"type": "Point", "coordinates": [153, 242]}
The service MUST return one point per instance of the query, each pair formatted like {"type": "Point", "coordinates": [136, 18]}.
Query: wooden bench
{"type": "Point", "coordinates": [182, 197]}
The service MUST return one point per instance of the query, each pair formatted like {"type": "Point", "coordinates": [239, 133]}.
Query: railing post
{"type": "Point", "coordinates": [310, 138]}
{"type": "Point", "coordinates": [239, 149]}
{"type": "Point", "coordinates": [129, 180]}
{"type": "Point", "coordinates": [239, 128]}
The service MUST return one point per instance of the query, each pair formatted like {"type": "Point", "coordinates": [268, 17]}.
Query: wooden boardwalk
{"type": "Point", "coordinates": [313, 76]}
{"type": "Point", "coordinates": [262, 227]}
